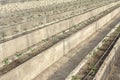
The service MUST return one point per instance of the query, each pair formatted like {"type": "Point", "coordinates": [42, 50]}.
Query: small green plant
{"type": "Point", "coordinates": [93, 70]}
{"type": "Point", "coordinates": [94, 53]}
{"type": "Point", "coordinates": [6, 61]}
{"type": "Point", "coordinates": [75, 78]}
{"type": "Point", "coordinates": [18, 54]}
{"type": "Point", "coordinates": [3, 34]}
{"type": "Point", "coordinates": [0, 37]}
{"type": "Point", "coordinates": [32, 50]}
{"type": "Point", "coordinates": [16, 31]}
{"type": "Point", "coordinates": [105, 40]}
{"type": "Point", "coordinates": [25, 29]}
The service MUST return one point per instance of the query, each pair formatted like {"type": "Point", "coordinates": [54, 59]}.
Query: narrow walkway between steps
{"type": "Point", "coordinates": [115, 70]}
{"type": "Point", "coordinates": [62, 68]}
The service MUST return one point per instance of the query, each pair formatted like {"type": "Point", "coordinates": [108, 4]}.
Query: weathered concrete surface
{"type": "Point", "coordinates": [87, 58]}
{"type": "Point", "coordinates": [62, 68]}
{"type": "Point", "coordinates": [114, 71]}
{"type": "Point", "coordinates": [11, 47]}
{"type": "Point", "coordinates": [39, 63]}
{"type": "Point", "coordinates": [108, 63]}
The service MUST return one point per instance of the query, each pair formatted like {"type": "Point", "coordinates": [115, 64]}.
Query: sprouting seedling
{"type": "Point", "coordinates": [93, 70]}
{"type": "Point", "coordinates": [16, 31]}
{"type": "Point", "coordinates": [44, 40]}
{"type": "Point", "coordinates": [25, 29]}
{"type": "Point", "coordinates": [94, 53]}
{"type": "Point", "coordinates": [18, 54]}
{"type": "Point", "coordinates": [3, 34]}
{"type": "Point", "coordinates": [32, 49]}
{"type": "Point", "coordinates": [6, 61]}
{"type": "Point", "coordinates": [75, 78]}
{"type": "Point", "coordinates": [105, 40]}
{"type": "Point", "coordinates": [0, 37]}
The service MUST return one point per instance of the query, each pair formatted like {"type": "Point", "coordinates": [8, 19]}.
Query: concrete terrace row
{"type": "Point", "coordinates": [91, 59]}
{"type": "Point", "coordinates": [26, 41]}
{"type": "Point", "coordinates": [27, 54]}
{"type": "Point", "coordinates": [15, 24]}
{"type": "Point", "coordinates": [109, 70]}
{"type": "Point", "coordinates": [63, 67]}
